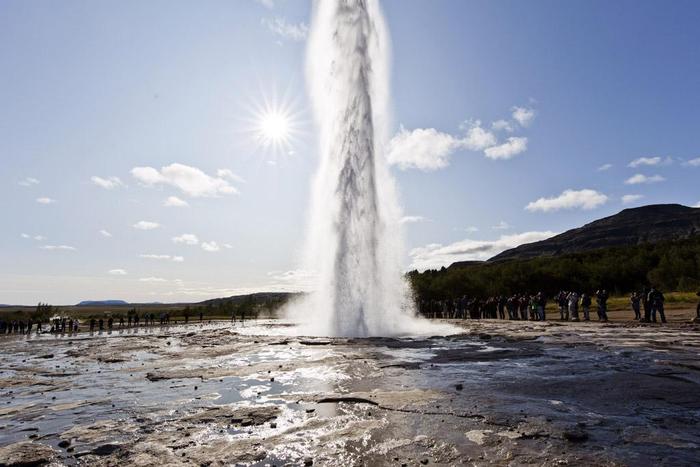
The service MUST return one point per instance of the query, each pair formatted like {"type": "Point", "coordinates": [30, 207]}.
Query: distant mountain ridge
{"type": "Point", "coordinates": [102, 303]}
{"type": "Point", "coordinates": [634, 226]}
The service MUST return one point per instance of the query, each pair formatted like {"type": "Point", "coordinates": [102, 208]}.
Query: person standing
{"type": "Point", "coordinates": [634, 300]}
{"type": "Point", "coordinates": [586, 305]}
{"type": "Point", "coordinates": [573, 306]}
{"type": "Point", "coordinates": [602, 301]}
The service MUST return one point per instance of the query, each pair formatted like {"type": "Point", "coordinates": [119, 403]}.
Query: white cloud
{"type": "Point", "coordinates": [422, 148]}
{"type": "Point", "coordinates": [523, 115]}
{"type": "Point", "coordinates": [187, 239]}
{"type": "Point", "coordinates": [153, 279]}
{"type": "Point", "coordinates": [58, 247]}
{"type": "Point", "coordinates": [640, 178]}
{"type": "Point", "coordinates": [45, 200]}
{"type": "Point", "coordinates": [476, 138]}
{"type": "Point", "coordinates": [412, 219]}
{"type": "Point", "coordinates": [227, 173]}
{"type": "Point", "coordinates": [38, 238]}
{"type": "Point", "coordinates": [697, 205]}
{"type": "Point", "coordinates": [117, 272]}
{"type": "Point", "coordinates": [604, 167]}
{"type": "Point", "coordinates": [502, 125]}
{"type": "Point", "coordinates": [434, 256]}
{"type": "Point", "coordinates": [280, 27]}
{"type": "Point", "coordinates": [29, 181]}
{"type": "Point", "coordinates": [693, 162]}
{"type": "Point", "coordinates": [430, 149]}
{"type": "Point", "coordinates": [629, 199]}
{"type": "Point", "coordinates": [569, 199]}
{"type": "Point", "coordinates": [108, 183]}
{"type": "Point", "coordinates": [503, 225]}
{"type": "Point", "coordinates": [228, 246]}
{"type": "Point", "coordinates": [269, 4]}
{"type": "Point", "coordinates": [146, 225]}
{"type": "Point", "coordinates": [104, 233]}
{"type": "Point", "coordinates": [514, 146]}
{"type": "Point", "coordinates": [470, 229]}
{"type": "Point", "coordinates": [175, 202]}
{"type": "Point", "coordinates": [190, 180]}
{"type": "Point", "coordinates": [210, 246]}
{"type": "Point", "coordinates": [153, 256]}
{"type": "Point", "coordinates": [650, 161]}
{"type": "Point", "coordinates": [178, 259]}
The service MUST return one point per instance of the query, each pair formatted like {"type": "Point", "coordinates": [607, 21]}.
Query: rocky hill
{"type": "Point", "coordinates": [635, 226]}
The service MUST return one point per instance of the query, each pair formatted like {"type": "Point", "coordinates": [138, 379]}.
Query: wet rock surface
{"type": "Point", "coordinates": [215, 395]}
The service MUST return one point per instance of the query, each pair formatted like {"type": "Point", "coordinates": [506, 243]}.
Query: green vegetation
{"type": "Point", "coordinates": [669, 266]}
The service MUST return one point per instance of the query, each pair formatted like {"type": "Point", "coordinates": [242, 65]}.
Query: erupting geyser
{"type": "Point", "coordinates": [354, 236]}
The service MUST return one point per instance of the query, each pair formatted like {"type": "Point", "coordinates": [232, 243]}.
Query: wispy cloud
{"type": "Point", "coordinates": [38, 238]}
{"type": "Point", "coordinates": [629, 199]}
{"type": "Point", "coordinates": [503, 225]}
{"type": "Point", "coordinates": [177, 259]}
{"type": "Point", "coordinates": [108, 183]}
{"type": "Point", "coordinates": [153, 279]}
{"type": "Point", "coordinates": [58, 247]}
{"type": "Point", "coordinates": [210, 246]}
{"type": "Point", "coordinates": [569, 199]}
{"type": "Point", "coordinates": [523, 115]}
{"type": "Point", "coordinates": [187, 239]}
{"type": "Point", "coordinates": [693, 162]}
{"type": "Point", "coordinates": [29, 181]}
{"type": "Point", "coordinates": [146, 225]}
{"type": "Point", "coordinates": [117, 272]}
{"type": "Point", "coordinates": [190, 180]}
{"type": "Point", "coordinates": [512, 147]}
{"type": "Point", "coordinates": [650, 161]}
{"type": "Point", "coordinates": [435, 255]}
{"type": "Point", "coordinates": [104, 233]}
{"type": "Point", "coordinates": [175, 202]}
{"type": "Point", "coordinates": [281, 28]}
{"type": "Point", "coordinates": [412, 219]}
{"type": "Point", "coordinates": [45, 200]}
{"type": "Point", "coordinates": [228, 173]}
{"type": "Point", "coordinates": [604, 167]}
{"type": "Point", "coordinates": [640, 178]}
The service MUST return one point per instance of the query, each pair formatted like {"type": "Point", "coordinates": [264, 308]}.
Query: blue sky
{"type": "Point", "coordinates": [505, 113]}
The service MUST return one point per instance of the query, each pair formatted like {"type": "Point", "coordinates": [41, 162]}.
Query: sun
{"type": "Point", "coordinates": [274, 127]}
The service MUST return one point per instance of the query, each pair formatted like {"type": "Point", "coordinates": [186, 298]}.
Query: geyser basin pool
{"type": "Point", "coordinates": [498, 393]}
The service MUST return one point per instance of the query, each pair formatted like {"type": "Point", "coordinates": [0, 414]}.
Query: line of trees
{"type": "Point", "coordinates": [669, 266]}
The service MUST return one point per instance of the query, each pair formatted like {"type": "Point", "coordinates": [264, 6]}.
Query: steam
{"type": "Point", "coordinates": [354, 239]}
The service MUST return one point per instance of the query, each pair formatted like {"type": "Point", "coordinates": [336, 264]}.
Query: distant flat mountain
{"type": "Point", "coordinates": [102, 303]}
{"type": "Point", "coordinates": [635, 226]}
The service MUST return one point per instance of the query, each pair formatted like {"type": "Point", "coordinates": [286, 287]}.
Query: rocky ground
{"type": "Point", "coordinates": [498, 393]}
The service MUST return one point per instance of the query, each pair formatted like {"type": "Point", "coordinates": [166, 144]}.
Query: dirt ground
{"type": "Point", "coordinates": [494, 393]}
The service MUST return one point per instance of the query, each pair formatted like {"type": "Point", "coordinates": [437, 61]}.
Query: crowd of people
{"type": "Point", "coordinates": [571, 305]}
{"type": "Point", "coordinates": [63, 325]}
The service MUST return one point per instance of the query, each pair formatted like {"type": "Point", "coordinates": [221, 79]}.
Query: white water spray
{"type": "Point", "coordinates": [354, 234]}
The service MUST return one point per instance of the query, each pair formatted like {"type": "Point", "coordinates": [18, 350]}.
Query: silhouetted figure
{"type": "Point", "coordinates": [602, 301]}
{"type": "Point", "coordinates": [573, 306]}
{"type": "Point", "coordinates": [101, 324]}
{"type": "Point", "coordinates": [656, 300]}
{"type": "Point", "coordinates": [635, 300]}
